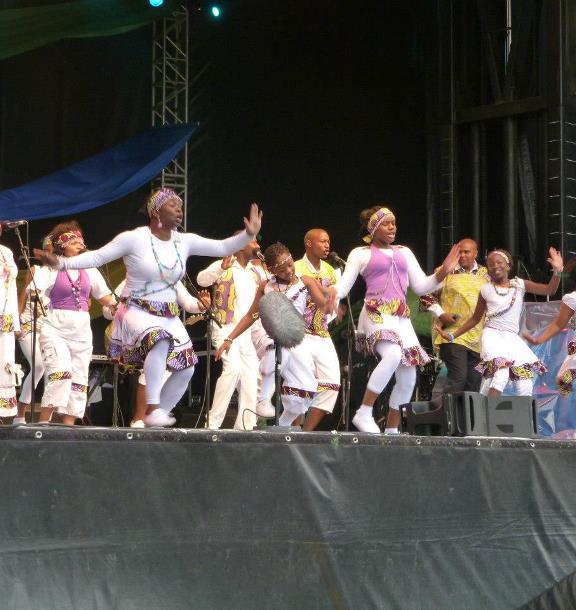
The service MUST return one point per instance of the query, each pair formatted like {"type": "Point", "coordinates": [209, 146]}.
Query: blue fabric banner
{"type": "Point", "coordinates": [98, 180]}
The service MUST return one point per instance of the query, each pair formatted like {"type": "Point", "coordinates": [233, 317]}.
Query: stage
{"type": "Point", "coordinates": [125, 518]}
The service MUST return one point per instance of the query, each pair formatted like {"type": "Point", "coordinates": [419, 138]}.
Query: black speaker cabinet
{"type": "Point", "coordinates": [471, 414]}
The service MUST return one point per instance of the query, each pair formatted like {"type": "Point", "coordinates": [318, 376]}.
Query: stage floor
{"type": "Point", "coordinates": [177, 518]}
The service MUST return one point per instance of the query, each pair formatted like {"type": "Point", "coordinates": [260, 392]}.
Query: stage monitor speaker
{"type": "Point", "coordinates": [469, 413]}
{"type": "Point", "coordinates": [426, 418]}
{"type": "Point", "coordinates": [512, 416]}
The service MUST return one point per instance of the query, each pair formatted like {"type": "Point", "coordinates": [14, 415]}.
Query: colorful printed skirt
{"type": "Point", "coordinates": [502, 349]}
{"type": "Point", "coordinates": [137, 327]}
{"type": "Point", "coordinates": [395, 329]}
{"type": "Point", "coordinates": [567, 373]}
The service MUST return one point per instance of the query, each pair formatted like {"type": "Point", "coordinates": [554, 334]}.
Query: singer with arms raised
{"type": "Point", "coordinates": [300, 384]}
{"type": "Point", "coordinates": [151, 334]}
{"type": "Point", "coordinates": [235, 281]}
{"type": "Point", "coordinates": [384, 326]}
{"type": "Point", "coordinates": [317, 338]}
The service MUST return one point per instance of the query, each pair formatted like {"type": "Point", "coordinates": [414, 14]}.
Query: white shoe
{"type": "Point", "coordinates": [19, 421]}
{"type": "Point", "coordinates": [266, 409]}
{"type": "Point", "coordinates": [159, 419]}
{"type": "Point", "coordinates": [391, 432]}
{"type": "Point", "coordinates": [365, 423]}
{"type": "Point", "coordinates": [139, 423]}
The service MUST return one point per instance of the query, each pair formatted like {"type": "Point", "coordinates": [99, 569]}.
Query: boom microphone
{"type": "Point", "coordinates": [281, 320]}
{"type": "Point", "coordinates": [335, 260]}
{"type": "Point", "coordinates": [12, 224]}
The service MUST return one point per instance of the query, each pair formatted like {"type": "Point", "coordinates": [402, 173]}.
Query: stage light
{"type": "Point", "coordinates": [156, 3]}
{"type": "Point", "coordinates": [215, 11]}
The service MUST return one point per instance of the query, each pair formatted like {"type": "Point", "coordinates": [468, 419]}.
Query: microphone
{"type": "Point", "coordinates": [258, 254]}
{"type": "Point", "coordinates": [335, 260]}
{"type": "Point", "coordinates": [12, 224]}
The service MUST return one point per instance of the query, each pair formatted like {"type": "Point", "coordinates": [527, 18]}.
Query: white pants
{"type": "Point", "coordinates": [239, 371]}
{"type": "Point", "coordinates": [26, 347]}
{"type": "Point", "coordinates": [66, 345]}
{"type": "Point", "coordinates": [327, 371]}
{"type": "Point", "coordinates": [7, 385]}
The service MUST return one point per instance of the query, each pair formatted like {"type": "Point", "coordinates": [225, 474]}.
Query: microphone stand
{"type": "Point", "coordinates": [209, 316]}
{"type": "Point", "coordinates": [37, 302]}
{"type": "Point", "coordinates": [347, 375]}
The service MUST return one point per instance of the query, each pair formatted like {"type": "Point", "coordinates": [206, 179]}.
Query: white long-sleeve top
{"type": "Point", "coordinates": [359, 258]}
{"type": "Point", "coordinates": [153, 266]}
{"type": "Point", "coordinates": [8, 293]}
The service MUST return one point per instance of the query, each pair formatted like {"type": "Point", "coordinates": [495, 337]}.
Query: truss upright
{"type": "Point", "coordinates": [170, 91]}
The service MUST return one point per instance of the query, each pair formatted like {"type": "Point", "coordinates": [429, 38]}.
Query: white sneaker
{"type": "Point", "coordinates": [365, 423]}
{"type": "Point", "coordinates": [19, 421]}
{"type": "Point", "coordinates": [391, 432]}
{"type": "Point", "coordinates": [159, 419]}
{"type": "Point", "coordinates": [266, 409]}
{"type": "Point", "coordinates": [139, 423]}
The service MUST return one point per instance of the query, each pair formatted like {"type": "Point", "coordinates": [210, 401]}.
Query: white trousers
{"type": "Point", "coordinates": [239, 372]}
{"type": "Point", "coordinates": [327, 371]}
{"type": "Point", "coordinates": [7, 386]}
{"type": "Point", "coordinates": [26, 347]}
{"type": "Point", "coordinates": [66, 346]}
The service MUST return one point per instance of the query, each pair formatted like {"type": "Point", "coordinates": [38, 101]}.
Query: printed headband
{"type": "Point", "coordinates": [502, 254]}
{"type": "Point", "coordinates": [375, 221]}
{"type": "Point", "coordinates": [69, 237]}
{"type": "Point", "coordinates": [46, 241]}
{"type": "Point", "coordinates": [284, 260]}
{"type": "Point", "coordinates": [159, 198]}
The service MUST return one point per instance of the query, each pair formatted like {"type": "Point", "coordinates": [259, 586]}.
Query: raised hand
{"type": "Point", "coordinates": [555, 259]}
{"type": "Point", "coordinates": [254, 222]}
{"type": "Point", "coordinates": [451, 261]}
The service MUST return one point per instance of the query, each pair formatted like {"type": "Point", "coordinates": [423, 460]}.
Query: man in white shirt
{"type": "Point", "coordinates": [235, 282]}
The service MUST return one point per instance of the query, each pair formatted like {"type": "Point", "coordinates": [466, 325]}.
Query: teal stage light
{"type": "Point", "coordinates": [156, 3]}
{"type": "Point", "coordinates": [215, 10]}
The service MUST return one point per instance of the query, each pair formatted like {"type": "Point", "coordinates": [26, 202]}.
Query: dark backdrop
{"type": "Point", "coordinates": [314, 110]}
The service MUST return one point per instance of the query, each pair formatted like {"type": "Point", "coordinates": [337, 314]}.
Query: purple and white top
{"type": "Point", "coordinates": [388, 273]}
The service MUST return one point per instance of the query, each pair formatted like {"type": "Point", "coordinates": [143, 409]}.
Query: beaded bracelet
{"type": "Point", "coordinates": [450, 337]}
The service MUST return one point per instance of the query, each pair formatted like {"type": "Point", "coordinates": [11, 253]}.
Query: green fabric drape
{"type": "Point", "coordinates": [25, 29]}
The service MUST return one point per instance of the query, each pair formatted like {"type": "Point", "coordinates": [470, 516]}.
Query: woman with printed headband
{"type": "Point", "coordinates": [297, 365]}
{"type": "Point", "coordinates": [9, 325]}
{"type": "Point", "coordinates": [26, 305]}
{"type": "Point", "coordinates": [65, 335]}
{"type": "Point", "coordinates": [384, 326]}
{"type": "Point", "coordinates": [152, 335]}
{"type": "Point", "coordinates": [505, 357]}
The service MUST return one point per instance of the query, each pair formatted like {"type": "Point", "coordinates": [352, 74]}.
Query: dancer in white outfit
{"type": "Point", "coordinates": [235, 284]}
{"type": "Point", "coordinates": [66, 335]}
{"type": "Point", "coordinates": [505, 357]}
{"type": "Point", "coordinates": [297, 366]}
{"type": "Point", "coordinates": [384, 326]}
{"type": "Point", "coordinates": [319, 342]}
{"type": "Point", "coordinates": [151, 334]}
{"type": "Point", "coordinates": [9, 324]}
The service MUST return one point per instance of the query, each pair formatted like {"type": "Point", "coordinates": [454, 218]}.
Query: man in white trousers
{"type": "Point", "coordinates": [235, 282]}
{"type": "Point", "coordinates": [317, 338]}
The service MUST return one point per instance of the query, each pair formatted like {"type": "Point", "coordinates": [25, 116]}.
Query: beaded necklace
{"type": "Point", "coordinates": [501, 312]}
{"type": "Point", "coordinates": [162, 268]}
{"type": "Point", "coordinates": [75, 285]}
